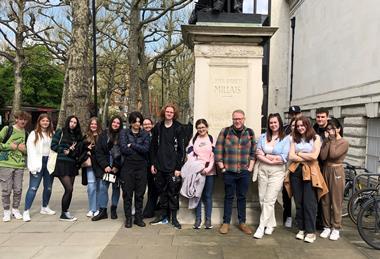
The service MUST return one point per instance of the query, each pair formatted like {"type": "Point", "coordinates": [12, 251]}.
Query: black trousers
{"type": "Point", "coordinates": [151, 203]}
{"type": "Point", "coordinates": [134, 182]}
{"type": "Point", "coordinates": [306, 201]}
{"type": "Point", "coordinates": [168, 187]}
{"type": "Point", "coordinates": [287, 205]}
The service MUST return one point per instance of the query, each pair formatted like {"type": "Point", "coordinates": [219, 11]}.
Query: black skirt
{"type": "Point", "coordinates": [65, 168]}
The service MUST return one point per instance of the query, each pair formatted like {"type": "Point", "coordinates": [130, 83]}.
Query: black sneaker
{"type": "Point", "coordinates": [176, 224]}
{"type": "Point", "coordinates": [208, 224]}
{"type": "Point", "coordinates": [197, 224]}
{"type": "Point", "coordinates": [128, 223]}
{"type": "Point", "coordinates": [65, 216]}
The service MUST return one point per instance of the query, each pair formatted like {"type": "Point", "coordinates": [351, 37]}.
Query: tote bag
{"type": "Point", "coordinates": [52, 160]}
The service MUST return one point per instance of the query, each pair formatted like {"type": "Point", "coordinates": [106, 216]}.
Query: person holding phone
{"type": "Point", "coordinates": [66, 142]}
{"type": "Point", "coordinates": [333, 151]}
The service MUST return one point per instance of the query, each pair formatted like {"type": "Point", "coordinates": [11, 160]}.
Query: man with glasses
{"type": "Point", "coordinates": [235, 154]}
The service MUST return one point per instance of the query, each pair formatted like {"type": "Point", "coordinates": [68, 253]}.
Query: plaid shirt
{"type": "Point", "coordinates": [235, 152]}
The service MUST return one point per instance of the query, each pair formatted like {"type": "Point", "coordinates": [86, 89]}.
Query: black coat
{"type": "Point", "coordinates": [102, 155]}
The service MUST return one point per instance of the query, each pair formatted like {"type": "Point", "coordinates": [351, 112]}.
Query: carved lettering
{"type": "Point", "coordinates": [227, 87]}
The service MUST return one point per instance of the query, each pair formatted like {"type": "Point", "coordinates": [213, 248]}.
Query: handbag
{"type": "Point", "coordinates": [108, 177]}
{"type": "Point", "coordinates": [52, 160]}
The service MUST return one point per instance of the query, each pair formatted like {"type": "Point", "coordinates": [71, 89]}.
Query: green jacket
{"type": "Point", "coordinates": [12, 158]}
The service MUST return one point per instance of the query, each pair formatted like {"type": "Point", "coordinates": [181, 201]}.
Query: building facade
{"type": "Point", "coordinates": [326, 54]}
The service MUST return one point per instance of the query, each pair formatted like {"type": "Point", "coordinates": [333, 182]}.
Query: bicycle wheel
{"type": "Point", "coordinates": [357, 201]}
{"type": "Point", "coordinates": [369, 222]}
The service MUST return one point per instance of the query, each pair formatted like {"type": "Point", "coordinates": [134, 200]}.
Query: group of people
{"type": "Point", "coordinates": [300, 160]}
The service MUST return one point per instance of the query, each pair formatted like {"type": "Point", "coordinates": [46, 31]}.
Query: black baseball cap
{"type": "Point", "coordinates": [294, 109]}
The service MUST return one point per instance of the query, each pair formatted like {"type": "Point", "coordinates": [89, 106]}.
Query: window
{"type": "Point", "coordinates": [373, 145]}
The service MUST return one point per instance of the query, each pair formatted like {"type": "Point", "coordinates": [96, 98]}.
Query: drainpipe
{"type": "Point", "coordinates": [293, 26]}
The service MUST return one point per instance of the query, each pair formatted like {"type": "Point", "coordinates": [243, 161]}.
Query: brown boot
{"type": "Point", "coordinates": [244, 227]}
{"type": "Point", "coordinates": [224, 228]}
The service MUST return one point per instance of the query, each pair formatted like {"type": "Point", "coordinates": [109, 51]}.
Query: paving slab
{"type": "Point", "coordinates": [36, 239]}
{"type": "Point", "coordinates": [19, 252]}
{"type": "Point", "coordinates": [72, 252]}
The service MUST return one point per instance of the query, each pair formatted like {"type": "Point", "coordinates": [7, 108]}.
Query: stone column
{"type": "Point", "coordinates": [228, 76]}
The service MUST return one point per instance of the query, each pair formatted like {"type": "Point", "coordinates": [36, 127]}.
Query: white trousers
{"type": "Point", "coordinates": [270, 180]}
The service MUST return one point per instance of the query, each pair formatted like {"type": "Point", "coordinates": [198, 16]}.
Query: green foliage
{"type": "Point", "coordinates": [42, 79]}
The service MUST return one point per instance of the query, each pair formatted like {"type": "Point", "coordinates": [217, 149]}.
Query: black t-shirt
{"type": "Point", "coordinates": [166, 155]}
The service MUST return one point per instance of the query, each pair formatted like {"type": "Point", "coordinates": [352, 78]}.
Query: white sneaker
{"type": "Point", "coordinates": [288, 222]}
{"type": "Point", "coordinates": [334, 235]}
{"type": "Point", "coordinates": [26, 216]}
{"type": "Point", "coordinates": [325, 233]}
{"type": "Point", "coordinates": [310, 238]}
{"type": "Point", "coordinates": [96, 213]}
{"type": "Point", "coordinates": [268, 230]}
{"type": "Point", "coordinates": [259, 233]}
{"type": "Point", "coordinates": [47, 211]}
{"type": "Point", "coordinates": [90, 214]}
{"type": "Point", "coordinates": [16, 213]}
{"type": "Point", "coordinates": [7, 216]}
{"type": "Point", "coordinates": [300, 235]}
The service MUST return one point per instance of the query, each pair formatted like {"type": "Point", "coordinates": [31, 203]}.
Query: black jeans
{"type": "Point", "coordinates": [151, 203]}
{"type": "Point", "coordinates": [134, 182]}
{"type": "Point", "coordinates": [168, 187]}
{"type": "Point", "coordinates": [306, 201]}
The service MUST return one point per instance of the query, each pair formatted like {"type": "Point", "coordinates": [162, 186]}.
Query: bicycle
{"type": "Point", "coordinates": [349, 187]}
{"type": "Point", "coordinates": [360, 197]}
{"type": "Point", "coordinates": [369, 222]}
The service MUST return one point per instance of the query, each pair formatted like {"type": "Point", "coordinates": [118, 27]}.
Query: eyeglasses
{"type": "Point", "coordinates": [238, 119]}
{"type": "Point", "coordinates": [200, 128]}
{"type": "Point", "coordinates": [330, 128]}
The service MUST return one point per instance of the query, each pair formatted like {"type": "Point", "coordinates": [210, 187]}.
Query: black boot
{"type": "Point", "coordinates": [175, 222]}
{"type": "Point", "coordinates": [102, 215]}
{"type": "Point", "coordinates": [113, 212]}
{"type": "Point", "coordinates": [139, 222]}
{"type": "Point", "coordinates": [128, 223]}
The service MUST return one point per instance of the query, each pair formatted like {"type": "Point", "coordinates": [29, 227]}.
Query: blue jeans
{"type": "Point", "coordinates": [93, 187]}
{"type": "Point", "coordinates": [235, 182]}
{"type": "Point", "coordinates": [103, 194]}
{"type": "Point", "coordinates": [34, 183]}
{"type": "Point", "coordinates": [206, 198]}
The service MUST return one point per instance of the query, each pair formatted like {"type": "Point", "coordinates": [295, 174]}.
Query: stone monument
{"type": "Point", "coordinates": [228, 76]}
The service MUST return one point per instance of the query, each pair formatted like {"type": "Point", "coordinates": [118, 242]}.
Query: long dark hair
{"type": "Point", "coordinates": [197, 123]}
{"type": "Point", "coordinates": [38, 129]}
{"type": "Point", "coordinates": [114, 134]}
{"type": "Point", "coordinates": [281, 132]}
{"type": "Point", "coordinates": [76, 133]}
{"type": "Point", "coordinates": [309, 133]}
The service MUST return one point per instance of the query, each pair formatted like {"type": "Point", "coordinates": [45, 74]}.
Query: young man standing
{"type": "Point", "coordinates": [167, 157]}
{"type": "Point", "coordinates": [322, 117]}
{"type": "Point", "coordinates": [235, 154]}
{"type": "Point", "coordinates": [12, 164]}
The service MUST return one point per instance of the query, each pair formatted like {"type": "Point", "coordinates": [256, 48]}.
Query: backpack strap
{"type": "Point", "coordinates": [8, 134]}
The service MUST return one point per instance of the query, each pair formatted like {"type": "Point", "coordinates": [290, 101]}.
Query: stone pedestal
{"type": "Point", "coordinates": [228, 76]}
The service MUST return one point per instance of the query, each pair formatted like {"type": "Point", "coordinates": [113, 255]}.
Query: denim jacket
{"type": "Point", "coordinates": [281, 148]}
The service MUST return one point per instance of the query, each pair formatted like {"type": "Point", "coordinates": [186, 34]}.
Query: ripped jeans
{"type": "Point", "coordinates": [34, 183]}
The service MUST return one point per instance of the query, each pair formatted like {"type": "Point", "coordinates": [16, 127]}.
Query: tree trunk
{"type": "Point", "coordinates": [133, 56]}
{"type": "Point", "coordinates": [62, 110]}
{"type": "Point", "coordinates": [78, 92]}
{"type": "Point", "coordinates": [105, 110]}
{"type": "Point", "coordinates": [19, 60]}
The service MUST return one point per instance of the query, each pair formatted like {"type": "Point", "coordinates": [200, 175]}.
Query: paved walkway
{"type": "Point", "coordinates": [46, 237]}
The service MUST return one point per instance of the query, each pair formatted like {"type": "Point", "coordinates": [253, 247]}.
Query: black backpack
{"type": "Point", "coordinates": [9, 134]}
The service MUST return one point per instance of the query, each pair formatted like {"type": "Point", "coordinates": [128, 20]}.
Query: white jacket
{"type": "Point", "coordinates": [34, 153]}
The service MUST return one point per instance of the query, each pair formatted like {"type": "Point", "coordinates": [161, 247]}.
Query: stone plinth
{"type": "Point", "coordinates": [228, 76]}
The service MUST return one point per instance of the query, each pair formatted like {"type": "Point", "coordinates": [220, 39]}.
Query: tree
{"type": "Point", "coordinates": [43, 79]}
{"type": "Point", "coordinates": [144, 21]}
